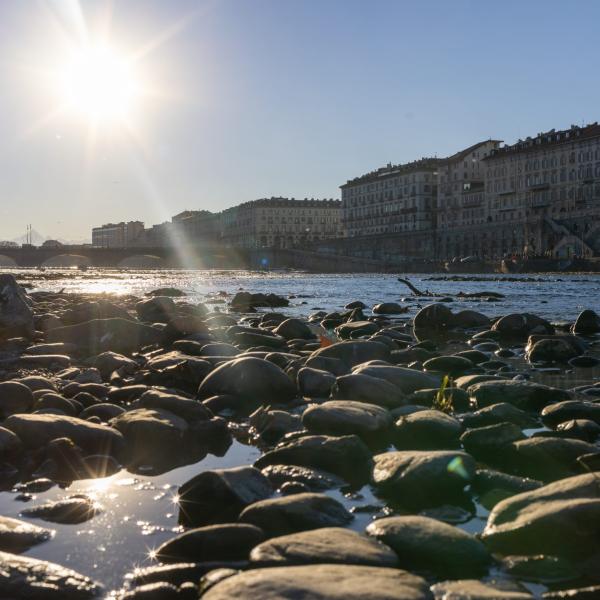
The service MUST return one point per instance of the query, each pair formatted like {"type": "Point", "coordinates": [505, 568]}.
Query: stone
{"type": "Point", "coordinates": [227, 542]}
{"type": "Point", "coordinates": [158, 309]}
{"type": "Point", "coordinates": [58, 402]}
{"type": "Point", "coordinates": [549, 458]}
{"type": "Point", "coordinates": [76, 509]}
{"type": "Point", "coordinates": [15, 397]}
{"type": "Point", "coordinates": [389, 308]}
{"type": "Point", "coordinates": [581, 429]}
{"type": "Point", "coordinates": [220, 495]}
{"type": "Point", "coordinates": [153, 436]}
{"type": "Point", "coordinates": [364, 388]}
{"type": "Point", "coordinates": [425, 544]}
{"type": "Point", "coordinates": [591, 592]}
{"type": "Point", "coordinates": [26, 578]}
{"type": "Point", "coordinates": [560, 519]}
{"type": "Point", "coordinates": [502, 412]}
{"type": "Point", "coordinates": [470, 319]}
{"type": "Point", "coordinates": [37, 430]}
{"type": "Point", "coordinates": [18, 536]}
{"type": "Point", "coordinates": [560, 412]}
{"type": "Point", "coordinates": [103, 410]}
{"type": "Point", "coordinates": [315, 383]}
{"type": "Point", "coordinates": [249, 377]}
{"type": "Point", "coordinates": [299, 512]}
{"type": "Point", "coordinates": [313, 479]}
{"type": "Point", "coordinates": [10, 444]}
{"type": "Point", "coordinates": [354, 353]}
{"type": "Point", "coordinates": [406, 380]}
{"type": "Point", "coordinates": [271, 425]}
{"type": "Point", "coordinates": [16, 316]}
{"type": "Point", "coordinates": [107, 362]}
{"type": "Point", "coordinates": [588, 322]}
{"type": "Point", "coordinates": [491, 443]}
{"type": "Point", "coordinates": [99, 335]}
{"type": "Point", "coordinates": [437, 317]}
{"type": "Point", "coordinates": [321, 582]}
{"type": "Point", "coordinates": [346, 417]}
{"type": "Point", "coordinates": [423, 478]}
{"type": "Point", "coordinates": [493, 486]}
{"type": "Point", "coordinates": [185, 408]}
{"type": "Point", "coordinates": [556, 348]}
{"type": "Point", "coordinates": [471, 589]}
{"type": "Point", "coordinates": [246, 300]}
{"type": "Point", "coordinates": [521, 326]}
{"type": "Point", "coordinates": [541, 568]}
{"type": "Point", "coordinates": [525, 395]}
{"type": "Point", "coordinates": [426, 430]}
{"type": "Point", "coordinates": [292, 329]}
{"type": "Point", "coordinates": [345, 456]}
{"type": "Point", "coordinates": [467, 380]}
{"type": "Point", "coordinates": [452, 365]}
{"type": "Point", "coordinates": [328, 545]}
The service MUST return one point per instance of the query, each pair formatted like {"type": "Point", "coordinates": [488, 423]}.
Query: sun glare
{"type": "Point", "coordinates": [99, 84]}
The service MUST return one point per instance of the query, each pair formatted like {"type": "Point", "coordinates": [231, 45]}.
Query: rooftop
{"type": "Point", "coordinates": [547, 139]}
{"type": "Point", "coordinates": [289, 202]}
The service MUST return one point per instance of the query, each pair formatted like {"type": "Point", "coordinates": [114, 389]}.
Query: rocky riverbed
{"type": "Point", "coordinates": [153, 446]}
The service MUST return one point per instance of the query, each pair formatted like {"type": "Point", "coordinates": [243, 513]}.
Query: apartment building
{"type": "Point", "coordinates": [280, 222]}
{"type": "Point", "coordinates": [117, 235]}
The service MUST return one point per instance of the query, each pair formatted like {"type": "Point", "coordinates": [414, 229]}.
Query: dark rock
{"type": "Point", "coordinates": [56, 401]}
{"type": "Point", "coordinates": [291, 329]}
{"type": "Point", "coordinates": [299, 512]}
{"type": "Point", "coordinates": [16, 316]}
{"type": "Point", "coordinates": [99, 335]}
{"type": "Point", "coordinates": [502, 412]}
{"type": "Point", "coordinates": [423, 478]}
{"type": "Point", "coordinates": [588, 322]}
{"type": "Point", "coordinates": [525, 395]}
{"type": "Point", "coordinates": [158, 309]}
{"type": "Point", "coordinates": [190, 410]}
{"type": "Point", "coordinates": [220, 495]}
{"type": "Point", "coordinates": [245, 300]}
{"type": "Point", "coordinates": [521, 326]}
{"type": "Point", "coordinates": [426, 430]}
{"type": "Point", "coordinates": [271, 425]}
{"type": "Point", "coordinates": [493, 486]}
{"type": "Point", "coordinates": [406, 380]}
{"type": "Point", "coordinates": [471, 589]}
{"type": "Point", "coordinates": [329, 545]}
{"type": "Point", "coordinates": [25, 578]}
{"type": "Point", "coordinates": [561, 519]}
{"type": "Point", "coordinates": [227, 542]}
{"type": "Point", "coordinates": [389, 308]}
{"type": "Point", "coordinates": [425, 544]}
{"type": "Point", "coordinates": [10, 444]}
{"type": "Point", "coordinates": [76, 509]}
{"type": "Point", "coordinates": [356, 329]}
{"type": "Point", "coordinates": [15, 398]}
{"type": "Point", "coordinates": [249, 378]}
{"type": "Point", "coordinates": [313, 479]}
{"type": "Point", "coordinates": [453, 365]}
{"type": "Point", "coordinates": [353, 353]}
{"type": "Point", "coordinates": [491, 443]}
{"type": "Point", "coordinates": [346, 456]}
{"type": "Point", "coordinates": [581, 429]}
{"type": "Point", "coordinates": [364, 388]}
{"type": "Point", "coordinates": [315, 383]}
{"type": "Point", "coordinates": [18, 536]}
{"type": "Point", "coordinates": [572, 409]}
{"type": "Point", "coordinates": [556, 348]}
{"type": "Point", "coordinates": [37, 430]}
{"type": "Point", "coordinates": [167, 291]}
{"type": "Point", "coordinates": [540, 568]}
{"type": "Point", "coordinates": [104, 411]}
{"type": "Point", "coordinates": [347, 417]}
{"type": "Point", "coordinates": [435, 317]}
{"type": "Point", "coordinates": [107, 362]}
{"type": "Point", "coordinates": [584, 362]}
{"type": "Point", "coordinates": [591, 592]}
{"type": "Point", "coordinates": [469, 319]}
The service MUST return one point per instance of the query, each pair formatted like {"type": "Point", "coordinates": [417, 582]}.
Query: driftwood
{"type": "Point", "coordinates": [417, 292]}
{"type": "Point", "coordinates": [414, 290]}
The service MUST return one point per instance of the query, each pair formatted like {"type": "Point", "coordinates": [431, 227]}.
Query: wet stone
{"type": "Point", "coordinates": [18, 536]}
{"type": "Point", "coordinates": [76, 509]}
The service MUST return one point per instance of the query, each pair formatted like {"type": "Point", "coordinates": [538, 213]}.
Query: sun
{"type": "Point", "coordinates": [99, 84]}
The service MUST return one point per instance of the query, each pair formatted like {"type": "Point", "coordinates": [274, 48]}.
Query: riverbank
{"type": "Point", "coordinates": [245, 437]}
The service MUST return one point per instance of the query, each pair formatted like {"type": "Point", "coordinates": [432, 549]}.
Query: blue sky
{"type": "Point", "coordinates": [254, 98]}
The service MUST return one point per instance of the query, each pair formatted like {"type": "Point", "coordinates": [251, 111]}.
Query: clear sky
{"type": "Point", "coordinates": [241, 99]}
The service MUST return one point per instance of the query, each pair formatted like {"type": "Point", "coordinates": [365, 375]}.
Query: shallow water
{"type": "Point", "coordinates": [139, 512]}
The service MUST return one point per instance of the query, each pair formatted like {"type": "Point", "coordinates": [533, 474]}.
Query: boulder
{"type": "Point", "coordinates": [470, 319]}
{"type": "Point", "coordinates": [18, 536]}
{"type": "Point", "coordinates": [158, 309]}
{"type": "Point", "coordinates": [389, 308]}
{"type": "Point", "coordinates": [560, 519]}
{"type": "Point", "coordinates": [230, 541]}
{"type": "Point", "coordinates": [298, 512]}
{"type": "Point", "coordinates": [571, 409]}
{"type": "Point", "coordinates": [494, 486]}
{"type": "Point", "coordinates": [345, 456]}
{"type": "Point", "coordinates": [36, 430]}
{"type": "Point", "coordinates": [99, 335]}
{"type": "Point", "coordinates": [346, 417]}
{"type": "Point", "coordinates": [521, 326]}
{"type": "Point", "coordinates": [16, 316]}
{"type": "Point", "coordinates": [502, 412]}
{"type": "Point", "coordinates": [354, 353]}
{"type": "Point", "coordinates": [77, 509]}
{"type": "Point", "coordinates": [328, 545]}
{"type": "Point", "coordinates": [436, 317]}
{"type": "Point", "coordinates": [314, 383]}
{"type": "Point", "coordinates": [292, 329]}
{"type": "Point", "coordinates": [10, 444]}
{"type": "Point", "coordinates": [15, 397]}
{"type": "Point", "coordinates": [250, 378]}
{"type": "Point", "coordinates": [492, 443]}
{"type": "Point", "coordinates": [26, 578]}
{"type": "Point", "coordinates": [190, 410]}
{"type": "Point", "coordinates": [220, 495]}
{"type": "Point", "coordinates": [423, 478]}
{"type": "Point", "coordinates": [321, 582]}
{"type": "Point", "coordinates": [425, 544]}
{"type": "Point", "coordinates": [426, 430]}
{"type": "Point", "coordinates": [97, 309]}
{"type": "Point", "coordinates": [107, 362]}
{"type": "Point", "coordinates": [588, 322]}
{"type": "Point", "coordinates": [556, 348]}
{"type": "Point", "coordinates": [471, 589]}
{"type": "Point", "coordinates": [452, 365]}
{"type": "Point", "coordinates": [364, 388]}
{"type": "Point", "coordinates": [313, 479]}
{"type": "Point", "coordinates": [525, 395]}
{"type": "Point", "coordinates": [406, 380]}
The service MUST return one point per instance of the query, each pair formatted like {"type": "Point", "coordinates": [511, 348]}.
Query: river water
{"type": "Point", "coordinates": [139, 512]}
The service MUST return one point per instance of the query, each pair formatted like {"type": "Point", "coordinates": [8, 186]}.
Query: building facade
{"type": "Point", "coordinates": [196, 226]}
{"type": "Point", "coordinates": [280, 222]}
{"type": "Point", "coordinates": [117, 235]}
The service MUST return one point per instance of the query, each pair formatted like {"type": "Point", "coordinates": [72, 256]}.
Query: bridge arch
{"type": "Point", "coordinates": [7, 261]}
{"type": "Point", "coordinates": [142, 261]}
{"type": "Point", "coordinates": [67, 261]}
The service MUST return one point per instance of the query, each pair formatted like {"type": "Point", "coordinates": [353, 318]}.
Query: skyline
{"type": "Point", "coordinates": [250, 100]}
